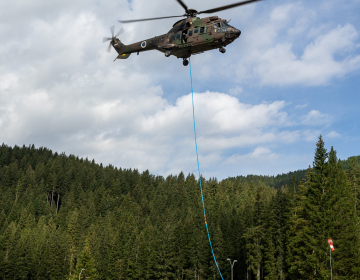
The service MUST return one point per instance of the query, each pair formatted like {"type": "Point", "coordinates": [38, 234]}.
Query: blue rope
{"type": "Point", "coordinates": [197, 157]}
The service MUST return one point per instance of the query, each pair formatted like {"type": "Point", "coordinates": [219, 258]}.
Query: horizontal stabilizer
{"type": "Point", "coordinates": [123, 56]}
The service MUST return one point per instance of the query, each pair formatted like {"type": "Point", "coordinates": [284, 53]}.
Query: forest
{"type": "Point", "coordinates": [61, 215]}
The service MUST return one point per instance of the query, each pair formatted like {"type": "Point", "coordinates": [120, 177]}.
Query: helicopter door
{"type": "Point", "coordinates": [184, 36]}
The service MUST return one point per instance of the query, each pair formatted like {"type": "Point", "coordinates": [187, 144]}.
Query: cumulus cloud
{"type": "Point", "coordinates": [263, 153]}
{"type": "Point", "coordinates": [333, 134]}
{"type": "Point", "coordinates": [315, 117]}
{"type": "Point", "coordinates": [301, 106]}
{"type": "Point", "coordinates": [235, 91]}
{"type": "Point", "coordinates": [316, 66]}
{"type": "Point", "coordinates": [310, 54]}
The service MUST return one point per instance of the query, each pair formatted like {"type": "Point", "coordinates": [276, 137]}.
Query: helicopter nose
{"type": "Point", "coordinates": [237, 32]}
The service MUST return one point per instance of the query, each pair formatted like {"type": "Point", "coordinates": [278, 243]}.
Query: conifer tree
{"type": "Point", "coordinates": [296, 235]}
{"type": "Point", "coordinates": [254, 238]}
{"type": "Point", "coordinates": [86, 263]}
{"type": "Point", "coordinates": [343, 223]}
{"type": "Point", "coordinates": [73, 239]}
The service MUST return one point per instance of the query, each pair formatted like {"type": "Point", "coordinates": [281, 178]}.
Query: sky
{"type": "Point", "coordinates": [293, 74]}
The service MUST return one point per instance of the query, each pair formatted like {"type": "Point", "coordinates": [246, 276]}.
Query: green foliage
{"type": "Point", "coordinates": [86, 264]}
{"type": "Point", "coordinates": [276, 182]}
{"type": "Point", "coordinates": [60, 214]}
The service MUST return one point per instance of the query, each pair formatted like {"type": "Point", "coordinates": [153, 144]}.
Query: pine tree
{"type": "Point", "coordinates": [73, 239]}
{"type": "Point", "coordinates": [86, 265]}
{"type": "Point", "coordinates": [343, 222]}
{"type": "Point", "coordinates": [254, 238]}
{"type": "Point", "coordinates": [315, 212]}
{"type": "Point", "coordinates": [353, 175]}
{"type": "Point", "coordinates": [296, 235]}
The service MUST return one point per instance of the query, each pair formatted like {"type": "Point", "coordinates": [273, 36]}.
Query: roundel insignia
{"type": "Point", "coordinates": [143, 44]}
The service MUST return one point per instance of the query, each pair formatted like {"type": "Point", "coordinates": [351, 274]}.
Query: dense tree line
{"type": "Point", "coordinates": [276, 182]}
{"type": "Point", "coordinates": [60, 214]}
{"type": "Point", "coordinates": [285, 179]}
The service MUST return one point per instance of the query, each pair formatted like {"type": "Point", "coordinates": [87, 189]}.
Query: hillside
{"type": "Point", "coordinates": [60, 214]}
{"type": "Point", "coordinates": [284, 179]}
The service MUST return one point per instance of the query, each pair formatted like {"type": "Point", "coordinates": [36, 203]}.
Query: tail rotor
{"type": "Point", "coordinates": [112, 39]}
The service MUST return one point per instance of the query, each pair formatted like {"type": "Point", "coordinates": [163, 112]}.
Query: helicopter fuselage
{"type": "Point", "coordinates": [189, 36]}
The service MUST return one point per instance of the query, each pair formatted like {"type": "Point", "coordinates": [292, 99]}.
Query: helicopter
{"type": "Point", "coordinates": [189, 36]}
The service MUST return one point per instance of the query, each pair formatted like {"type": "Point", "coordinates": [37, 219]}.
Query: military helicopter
{"type": "Point", "coordinates": [189, 36]}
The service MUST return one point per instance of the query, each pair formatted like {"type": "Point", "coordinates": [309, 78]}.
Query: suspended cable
{"type": "Point", "coordinates": [197, 157]}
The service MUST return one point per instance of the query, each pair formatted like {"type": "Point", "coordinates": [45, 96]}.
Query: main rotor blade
{"type": "Point", "coordinates": [227, 7]}
{"type": "Point", "coordinates": [112, 30]}
{"type": "Point", "coordinates": [183, 5]}
{"type": "Point", "coordinates": [121, 31]}
{"type": "Point", "coordinates": [106, 39]}
{"type": "Point", "coordinates": [109, 48]}
{"type": "Point", "coordinates": [145, 19]}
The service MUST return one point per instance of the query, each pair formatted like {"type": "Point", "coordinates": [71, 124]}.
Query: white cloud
{"type": "Point", "coordinates": [316, 66]}
{"type": "Point", "coordinates": [8, 81]}
{"type": "Point", "coordinates": [311, 135]}
{"type": "Point", "coordinates": [301, 106]}
{"type": "Point", "coordinates": [315, 118]}
{"type": "Point", "coordinates": [235, 91]}
{"type": "Point", "coordinates": [134, 126]}
{"type": "Point", "coordinates": [259, 154]}
{"type": "Point", "coordinates": [291, 46]}
{"type": "Point", "coordinates": [261, 151]}
{"type": "Point", "coordinates": [333, 134]}
{"type": "Point", "coordinates": [282, 14]}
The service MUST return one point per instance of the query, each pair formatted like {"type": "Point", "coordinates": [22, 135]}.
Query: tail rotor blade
{"type": "Point", "coordinates": [112, 30]}
{"type": "Point", "coordinates": [109, 48]}
{"type": "Point", "coordinates": [106, 39]}
{"type": "Point", "coordinates": [121, 31]}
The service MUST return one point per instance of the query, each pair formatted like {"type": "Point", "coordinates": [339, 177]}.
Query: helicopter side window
{"type": "Point", "coordinates": [202, 28]}
{"type": "Point", "coordinates": [190, 32]}
{"type": "Point", "coordinates": [172, 37]}
{"type": "Point", "coordinates": [162, 39]}
{"type": "Point", "coordinates": [196, 30]}
{"type": "Point", "coordinates": [178, 36]}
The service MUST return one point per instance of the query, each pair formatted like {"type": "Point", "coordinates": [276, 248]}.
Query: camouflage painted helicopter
{"type": "Point", "coordinates": [192, 35]}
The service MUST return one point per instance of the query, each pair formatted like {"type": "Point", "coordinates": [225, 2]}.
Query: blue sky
{"type": "Point", "coordinates": [292, 75]}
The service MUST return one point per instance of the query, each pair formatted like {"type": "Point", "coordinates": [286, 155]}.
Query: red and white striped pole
{"type": "Point", "coordinates": [331, 249]}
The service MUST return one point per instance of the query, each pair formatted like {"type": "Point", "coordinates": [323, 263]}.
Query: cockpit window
{"type": "Point", "coordinates": [190, 32]}
{"type": "Point", "coordinates": [216, 25]}
{"type": "Point", "coordinates": [178, 36]}
{"type": "Point", "coordinates": [225, 27]}
{"type": "Point", "coordinates": [196, 30]}
{"type": "Point", "coordinates": [202, 28]}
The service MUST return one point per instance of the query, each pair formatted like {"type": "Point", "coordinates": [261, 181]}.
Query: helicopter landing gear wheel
{"type": "Point", "coordinates": [185, 62]}
{"type": "Point", "coordinates": [168, 53]}
{"type": "Point", "coordinates": [222, 50]}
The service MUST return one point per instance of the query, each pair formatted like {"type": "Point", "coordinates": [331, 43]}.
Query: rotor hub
{"type": "Point", "coordinates": [191, 13]}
